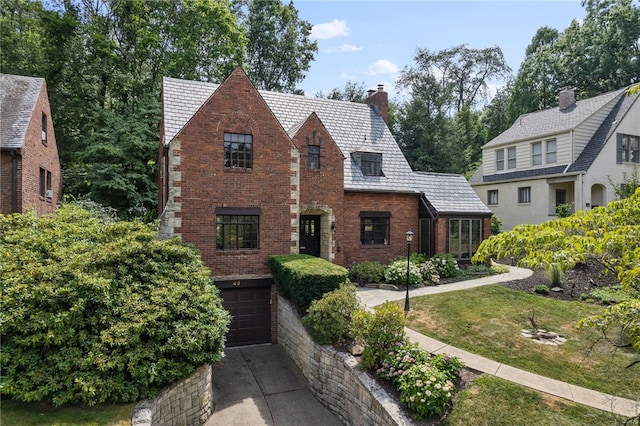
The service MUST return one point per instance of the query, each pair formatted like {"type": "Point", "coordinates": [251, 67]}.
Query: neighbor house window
{"type": "Point", "coordinates": [371, 164]}
{"type": "Point", "coordinates": [536, 153]}
{"type": "Point", "coordinates": [561, 196]}
{"type": "Point", "coordinates": [465, 235]}
{"type": "Point", "coordinates": [552, 151]}
{"type": "Point", "coordinates": [629, 148]}
{"type": "Point", "coordinates": [314, 157]}
{"type": "Point", "coordinates": [374, 228]}
{"type": "Point", "coordinates": [500, 159]}
{"type": "Point", "coordinates": [511, 157]}
{"type": "Point", "coordinates": [44, 129]}
{"type": "Point", "coordinates": [237, 231]}
{"type": "Point", "coordinates": [524, 195]}
{"type": "Point", "coordinates": [492, 197]}
{"type": "Point", "coordinates": [238, 151]}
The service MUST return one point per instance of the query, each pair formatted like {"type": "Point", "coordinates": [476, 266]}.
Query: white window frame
{"type": "Point", "coordinates": [524, 195]}
{"type": "Point", "coordinates": [511, 157]}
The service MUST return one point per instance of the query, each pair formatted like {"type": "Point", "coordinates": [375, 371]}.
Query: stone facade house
{"type": "Point", "coordinates": [30, 177]}
{"type": "Point", "coordinates": [571, 154]}
{"type": "Point", "coordinates": [246, 174]}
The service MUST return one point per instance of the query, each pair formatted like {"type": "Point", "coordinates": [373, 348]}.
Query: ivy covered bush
{"type": "Point", "coordinates": [98, 311]}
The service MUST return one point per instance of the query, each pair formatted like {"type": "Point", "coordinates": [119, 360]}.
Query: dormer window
{"type": "Point", "coordinates": [370, 163]}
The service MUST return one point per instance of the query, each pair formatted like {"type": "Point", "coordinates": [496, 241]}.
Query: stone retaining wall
{"type": "Point", "coordinates": [188, 402]}
{"type": "Point", "coordinates": [334, 377]}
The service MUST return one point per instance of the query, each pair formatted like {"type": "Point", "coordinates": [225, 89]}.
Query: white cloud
{"type": "Point", "coordinates": [344, 48]}
{"type": "Point", "coordinates": [382, 66]}
{"type": "Point", "coordinates": [331, 29]}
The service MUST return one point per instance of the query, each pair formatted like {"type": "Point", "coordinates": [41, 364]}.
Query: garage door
{"type": "Point", "coordinates": [249, 303]}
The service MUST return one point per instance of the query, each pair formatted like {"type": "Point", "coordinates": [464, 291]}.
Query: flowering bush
{"type": "Point", "coordinates": [449, 365]}
{"type": "Point", "coordinates": [446, 265]}
{"type": "Point", "coordinates": [426, 390]}
{"type": "Point", "coordinates": [396, 273]}
{"type": "Point", "coordinates": [429, 272]}
{"type": "Point", "coordinates": [400, 358]}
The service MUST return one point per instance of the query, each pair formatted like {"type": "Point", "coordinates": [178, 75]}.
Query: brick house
{"type": "Point", "coordinates": [246, 174]}
{"type": "Point", "coordinates": [30, 177]}
{"type": "Point", "coordinates": [571, 154]}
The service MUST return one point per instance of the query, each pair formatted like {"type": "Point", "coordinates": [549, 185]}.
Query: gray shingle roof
{"type": "Point", "coordinates": [354, 127]}
{"type": "Point", "coordinates": [552, 120]}
{"type": "Point", "coordinates": [449, 193]}
{"type": "Point", "coordinates": [18, 97]}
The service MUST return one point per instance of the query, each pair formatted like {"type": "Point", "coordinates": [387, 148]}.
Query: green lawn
{"type": "Point", "coordinates": [487, 321]}
{"type": "Point", "coordinates": [492, 401]}
{"type": "Point", "coordinates": [36, 414]}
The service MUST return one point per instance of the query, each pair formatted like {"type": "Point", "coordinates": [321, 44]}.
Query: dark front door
{"type": "Point", "coordinates": [310, 235]}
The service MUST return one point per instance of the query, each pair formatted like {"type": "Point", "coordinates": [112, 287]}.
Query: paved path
{"type": "Point", "coordinates": [374, 297]}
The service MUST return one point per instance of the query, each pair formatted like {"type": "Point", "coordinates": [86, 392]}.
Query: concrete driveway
{"type": "Point", "coordinates": [261, 385]}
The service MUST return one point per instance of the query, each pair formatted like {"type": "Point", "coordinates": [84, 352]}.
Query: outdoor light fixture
{"type": "Point", "coordinates": [409, 235]}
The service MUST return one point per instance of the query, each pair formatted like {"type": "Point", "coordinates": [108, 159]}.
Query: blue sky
{"type": "Point", "coordinates": [372, 41]}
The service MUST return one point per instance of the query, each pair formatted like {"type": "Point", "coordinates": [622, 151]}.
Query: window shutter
{"type": "Point", "coordinates": [618, 148]}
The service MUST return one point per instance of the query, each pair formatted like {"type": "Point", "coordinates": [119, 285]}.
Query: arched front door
{"type": "Point", "coordinates": [310, 235]}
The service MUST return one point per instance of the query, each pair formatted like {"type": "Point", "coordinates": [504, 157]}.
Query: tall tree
{"type": "Point", "coordinates": [352, 92]}
{"type": "Point", "coordinates": [279, 50]}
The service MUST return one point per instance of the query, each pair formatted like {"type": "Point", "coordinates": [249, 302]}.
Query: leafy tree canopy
{"type": "Point", "coordinates": [96, 310]}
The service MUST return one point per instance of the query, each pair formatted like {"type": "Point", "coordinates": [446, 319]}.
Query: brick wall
{"type": "Point", "coordinates": [404, 217]}
{"type": "Point", "coordinates": [33, 156]}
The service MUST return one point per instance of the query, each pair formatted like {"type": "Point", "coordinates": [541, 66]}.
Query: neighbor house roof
{"type": "Point", "coordinates": [553, 120]}
{"type": "Point", "coordinates": [18, 97]}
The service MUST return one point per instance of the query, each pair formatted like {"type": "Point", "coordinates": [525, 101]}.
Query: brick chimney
{"type": "Point", "coordinates": [567, 98]}
{"type": "Point", "coordinates": [379, 99]}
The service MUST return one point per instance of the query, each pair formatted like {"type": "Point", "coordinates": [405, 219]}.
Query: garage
{"type": "Point", "coordinates": [249, 303]}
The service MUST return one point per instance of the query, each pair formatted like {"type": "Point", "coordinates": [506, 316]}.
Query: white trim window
{"type": "Point", "coordinates": [536, 153]}
{"type": "Point", "coordinates": [500, 159]}
{"type": "Point", "coordinates": [552, 151]}
{"type": "Point", "coordinates": [492, 197]}
{"type": "Point", "coordinates": [524, 195]}
{"type": "Point", "coordinates": [511, 157]}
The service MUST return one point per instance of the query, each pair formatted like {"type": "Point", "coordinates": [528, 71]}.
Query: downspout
{"type": "Point", "coordinates": [14, 180]}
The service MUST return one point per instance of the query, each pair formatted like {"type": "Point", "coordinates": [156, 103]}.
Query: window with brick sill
{"type": "Point", "coordinates": [238, 151]}
{"type": "Point", "coordinates": [45, 185]}
{"type": "Point", "coordinates": [314, 157]}
{"type": "Point", "coordinates": [374, 228]}
{"type": "Point", "coordinates": [237, 229]}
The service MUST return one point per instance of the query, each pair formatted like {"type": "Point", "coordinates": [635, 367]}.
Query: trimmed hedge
{"type": "Point", "coordinates": [303, 278]}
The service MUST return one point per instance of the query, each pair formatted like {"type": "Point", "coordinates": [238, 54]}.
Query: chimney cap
{"type": "Point", "coordinates": [380, 87]}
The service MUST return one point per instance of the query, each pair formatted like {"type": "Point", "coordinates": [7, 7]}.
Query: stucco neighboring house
{"type": "Point", "coordinates": [246, 174]}
{"type": "Point", "coordinates": [571, 154]}
{"type": "Point", "coordinates": [30, 177]}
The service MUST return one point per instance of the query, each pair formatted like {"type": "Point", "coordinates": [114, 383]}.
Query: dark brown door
{"type": "Point", "coordinates": [250, 307]}
{"type": "Point", "coordinates": [310, 235]}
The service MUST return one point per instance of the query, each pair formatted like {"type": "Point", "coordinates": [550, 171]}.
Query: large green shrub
{"type": "Point", "coordinates": [367, 272]}
{"type": "Point", "coordinates": [97, 312]}
{"type": "Point", "coordinates": [329, 319]}
{"type": "Point", "coordinates": [302, 278]}
{"type": "Point", "coordinates": [379, 331]}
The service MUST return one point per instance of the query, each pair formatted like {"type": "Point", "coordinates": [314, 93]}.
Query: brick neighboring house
{"type": "Point", "coordinates": [246, 174]}
{"type": "Point", "coordinates": [30, 177]}
{"type": "Point", "coordinates": [570, 154]}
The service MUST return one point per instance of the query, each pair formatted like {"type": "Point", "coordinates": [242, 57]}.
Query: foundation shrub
{"type": "Point", "coordinates": [367, 272]}
{"type": "Point", "coordinates": [426, 390]}
{"type": "Point", "coordinates": [329, 318]}
{"type": "Point", "coordinates": [396, 273]}
{"type": "Point", "coordinates": [445, 264]}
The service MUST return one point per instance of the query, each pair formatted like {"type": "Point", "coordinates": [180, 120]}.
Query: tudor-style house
{"type": "Point", "coordinates": [246, 174]}
{"type": "Point", "coordinates": [30, 177]}
{"type": "Point", "coordinates": [575, 154]}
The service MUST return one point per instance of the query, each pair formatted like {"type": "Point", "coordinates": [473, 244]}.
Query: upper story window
{"type": "Point", "coordinates": [552, 151]}
{"type": "Point", "coordinates": [492, 197]}
{"type": "Point", "coordinates": [500, 159]}
{"type": "Point", "coordinates": [44, 129]}
{"type": "Point", "coordinates": [536, 153]}
{"type": "Point", "coordinates": [374, 228]}
{"type": "Point", "coordinates": [628, 149]}
{"type": "Point", "coordinates": [511, 157]}
{"type": "Point", "coordinates": [314, 157]}
{"type": "Point", "coordinates": [238, 151]}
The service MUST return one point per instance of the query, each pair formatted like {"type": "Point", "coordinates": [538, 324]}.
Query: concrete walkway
{"type": "Point", "coordinates": [373, 297]}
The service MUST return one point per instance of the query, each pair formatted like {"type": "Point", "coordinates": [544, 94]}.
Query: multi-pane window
{"type": "Point", "coordinates": [465, 235]}
{"type": "Point", "coordinates": [237, 232]}
{"type": "Point", "coordinates": [314, 157]}
{"type": "Point", "coordinates": [371, 164]}
{"type": "Point", "coordinates": [511, 157]}
{"type": "Point", "coordinates": [630, 148]}
{"type": "Point", "coordinates": [552, 151]}
{"type": "Point", "coordinates": [536, 153]}
{"type": "Point", "coordinates": [374, 228]}
{"type": "Point", "coordinates": [44, 128]}
{"type": "Point", "coordinates": [238, 151]}
{"type": "Point", "coordinates": [492, 197]}
{"type": "Point", "coordinates": [524, 195]}
{"type": "Point", "coordinates": [500, 159]}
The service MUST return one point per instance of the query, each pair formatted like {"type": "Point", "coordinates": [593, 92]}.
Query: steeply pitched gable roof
{"type": "Point", "coordinates": [553, 120]}
{"type": "Point", "coordinates": [18, 97]}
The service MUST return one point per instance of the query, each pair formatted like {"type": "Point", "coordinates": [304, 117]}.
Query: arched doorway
{"type": "Point", "coordinates": [598, 195]}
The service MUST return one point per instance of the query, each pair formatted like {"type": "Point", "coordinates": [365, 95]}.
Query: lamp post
{"type": "Point", "coordinates": [409, 235]}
